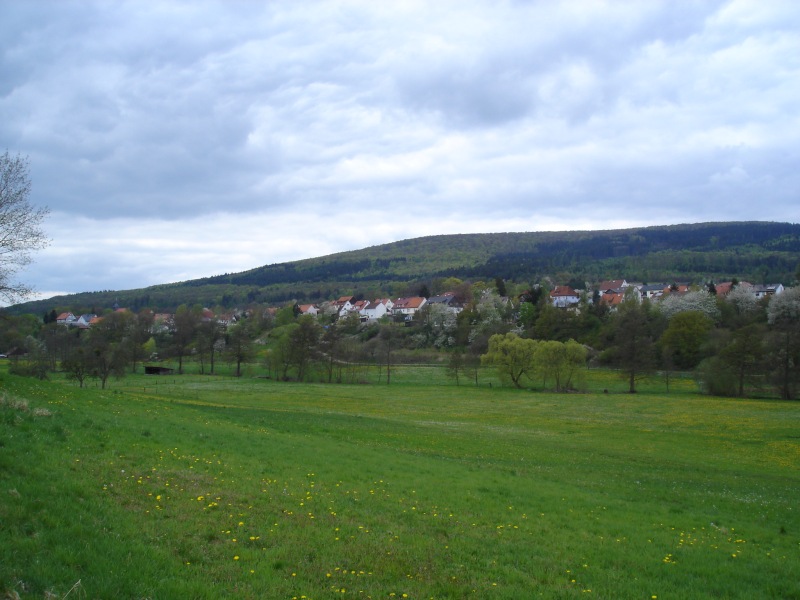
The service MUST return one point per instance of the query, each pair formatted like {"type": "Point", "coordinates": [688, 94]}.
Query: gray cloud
{"type": "Point", "coordinates": [227, 117]}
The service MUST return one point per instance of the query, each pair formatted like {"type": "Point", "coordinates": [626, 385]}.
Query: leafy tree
{"type": "Point", "coordinates": [20, 226]}
{"type": "Point", "coordinates": [556, 324]}
{"type": "Point", "coordinates": [387, 341]}
{"type": "Point", "coordinates": [77, 364]}
{"type": "Point", "coordinates": [285, 315]}
{"type": "Point", "coordinates": [500, 286]}
{"type": "Point", "coordinates": [455, 365]}
{"type": "Point", "coordinates": [139, 327]}
{"type": "Point", "coordinates": [684, 338]}
{"type": "Point", "coordinates": [186, 322]}
{"type": "Point", "coordinates": [743, 355]}
{"type": "Point", "coordinates": [303, 342]}
{"type": "Point", "coordinates": [716, 377]}
{"type": "Point", "coordinates": [634, 331]}
{"type": "Point", "coordinates": [559, 361]}
{"type": "Point", "coordinates": [239, 345]}
{"type": "Point", "coordinates": [330, 349]}
{"type": "Point", "coordinates": [279, 356]}
{"type": "Point", "coordinates": [512, 356]}
{"type": "Point", "coordinates": [209, 335]}
{"type": "Point", "coordinates": [106, 353]}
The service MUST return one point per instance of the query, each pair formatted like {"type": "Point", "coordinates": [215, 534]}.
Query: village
{"type": "Point", "coordinates": [609, 293]}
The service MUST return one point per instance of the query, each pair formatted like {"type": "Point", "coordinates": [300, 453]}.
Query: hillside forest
{"type": "Point", "coordinates": [734, 343]}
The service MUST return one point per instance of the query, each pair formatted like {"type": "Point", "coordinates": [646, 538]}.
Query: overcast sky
{"type": "Point", "coordinates": [176, 140]}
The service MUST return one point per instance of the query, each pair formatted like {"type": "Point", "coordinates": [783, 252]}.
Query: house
{"type": "Point", "coordinates": [84, 321]}
{"type": "Point", "coordinates": [612, 298]}
{"type": "Point", "coordinates": [352, 306]}
{"type": "Point", "coordinates": [345, 303]}
{"type": "Point", "coordinates": [563, 296]}
{"type": "Point", "coordinates": [676, 288]}
{"type": "Point", "coordinates": [725, 287]}
{"type": "Point", "coordinates": [770, 289]}
{"type": "Point", "coordinates": [308, 309]}
{"type": "Point", "coordinates": [447, 300]}
{"type": "Point", "coordinates": [66, 318]}
{"type": "Point", "coordinates": [408, 306]}
{"type": "Point", "coordinates": [618, 285]}
{"type": "Point", "coordinates": [162, 323]}
{"type": "Point", "coordinates": [376, 309]}
{"type": "Point", "coordinates": [652, 290]}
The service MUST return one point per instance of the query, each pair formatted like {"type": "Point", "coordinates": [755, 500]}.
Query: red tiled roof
{"type": "Point", "coordinates": [562, 290]}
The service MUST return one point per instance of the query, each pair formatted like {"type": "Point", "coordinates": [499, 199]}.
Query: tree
{"type": "Point", "coordinates": [20, 226]}
{"type": "Point", "coordinates": [239, 345]}
{"type": "Point", "coordinates": [435, 326]}
{"type": "Point", "coordinates": [106, 353]}
{"type": "Point", "coordinates": [139, 328]}
{"type": "Point", "coordinates": [512, 356]}
{"type": "Point", "coordinates": [186, 322]}
{"type": "Point", "coordinates": [500, 285]}
{"type": "Point", "coordinates": [633, 334]}
{"type": "Point", "coordinates": [783, 315]}
{"type": "Point", "coordinates": [743, 354]}
{"type": "Point", "coordinates": [559, 360]}
{"type": "Point", "coordinates": [455, 366]}
{"type": "Point", "coordinates": [685, 336]}
{"type": "Point", "coordinates": [387, 340]}
{"type": "Point", "coordinates": [699, 300]}
{"type": "Point", "coordinates": [303, 344]}
{"type": "Point", "coordinates": [77, 364]}
{"type": "Point", "coordinates": [209, 334]}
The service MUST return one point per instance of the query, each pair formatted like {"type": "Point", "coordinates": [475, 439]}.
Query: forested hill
{"type": "Point", "coordinates": [759, 252]}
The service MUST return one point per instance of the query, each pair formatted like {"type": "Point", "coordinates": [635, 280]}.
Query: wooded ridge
{"type": "Point", "coordinates": [759, 252]}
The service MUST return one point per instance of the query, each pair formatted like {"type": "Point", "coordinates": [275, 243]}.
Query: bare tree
{"type": "Point", "coordinates": [20, 226]}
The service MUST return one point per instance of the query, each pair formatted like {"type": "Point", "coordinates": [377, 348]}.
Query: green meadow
{"type": "Point", "coordinates": [206, 487]}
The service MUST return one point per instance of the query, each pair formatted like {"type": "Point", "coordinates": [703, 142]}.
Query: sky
{"type": "Point", "coordinates": [178, 140]}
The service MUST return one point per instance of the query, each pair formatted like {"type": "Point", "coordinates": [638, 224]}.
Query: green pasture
{"type": "Point", "coordinates": [205, 487]}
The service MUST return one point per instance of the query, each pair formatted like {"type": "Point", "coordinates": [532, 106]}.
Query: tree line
{"type": "Point", "coordinates": [736, 345]}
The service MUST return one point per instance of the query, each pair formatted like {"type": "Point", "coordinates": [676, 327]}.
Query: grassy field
{"type": "Point", "coordinates": [206, 487]}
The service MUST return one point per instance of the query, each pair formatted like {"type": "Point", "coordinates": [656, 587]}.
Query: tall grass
{"type": "Point", "coordinates": [207, 487]}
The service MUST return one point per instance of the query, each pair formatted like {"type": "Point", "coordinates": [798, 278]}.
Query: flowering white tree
{"type": "Point", "coordinates": [742, 299]}
{"type": "Point", "coordinates": [700, 301]}
{"type": "Point", "coordinates": [783, 314]}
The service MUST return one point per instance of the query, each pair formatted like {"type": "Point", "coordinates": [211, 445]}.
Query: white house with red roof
{"type": "Point", "coordinates": [308, 309]}
{"type": "Point", "coordinates": [376, 309]}
{"type": "Point", "coordinates": [563, 296]}
{"type": "Point", "coordinates": [66, 318]}
{"type": "Point", "coordinates": [408, 306]}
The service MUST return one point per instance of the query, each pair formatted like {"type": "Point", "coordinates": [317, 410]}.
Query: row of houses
{"type": "Point", "coordinates": [372, 310]}
{"type": "Point", "coordinates": [613, 292]}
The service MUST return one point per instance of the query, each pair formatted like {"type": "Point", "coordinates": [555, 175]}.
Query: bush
{"type": "Point", "coordinates": [716, 378]}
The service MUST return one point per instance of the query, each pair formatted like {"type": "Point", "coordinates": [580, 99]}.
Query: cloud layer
{"type": "Point", "coordinates": [175, 140]}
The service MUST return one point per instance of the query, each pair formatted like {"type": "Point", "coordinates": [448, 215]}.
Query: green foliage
{"type": "Point", "coordinates": [634, 331]}
{"type": "Point", "coordinates": [512, 356]}
{"type": "Point", "coordinates": [685, 336]}
{"type": "Point", "coordinates": [560, 362]}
